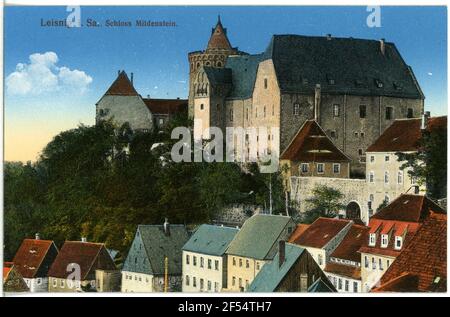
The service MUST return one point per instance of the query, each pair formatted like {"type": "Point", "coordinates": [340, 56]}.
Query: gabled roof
{"type": "Point", "coordinates": [311, 144]}
{"type": "Point", "coordinates": [321, 286]}
{"type": "Point", "coordinates": [422, 265]}
{"type": "Point", "coordinates": [30, 256]}
{"type": "Point", "coordinates": [321, 231]}
{"type": "Point", "coordinates": [272, 274]}
{"type": "Point", "coordinates": [243, 73]}
{"type": "Point", "coordinates": [301, 62]}
{"type": "Point", "coordinates": [408, 208]}
{"type": "Point", "coordinates": [349, 246]}
{"type": "Point", "coordinates": [122, 86]}
{"type": "Point", "coordinates": [211, 240]}
{"type": "Point", "coordinates": [218, 76]}
{"type": "Point", "coordinates": [84, 254]}
{"type": "Point", "coordinates": [219, 39]}
{"type": "Point", "coordinates": [350, 271]}
{"type": "Point", "coordinates": [159, 245]}
{"type": "Point", "coordinates": [257, 236]}
{"type": "Point", "coordinates": [404, 135]}
{"type": "Point", "coordinates": [298, 231]}
{"type": "Point", "coordinates": [165, 106]}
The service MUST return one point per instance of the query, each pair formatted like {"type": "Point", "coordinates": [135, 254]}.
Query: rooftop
{"type": "Point", "coordinates": [30, 256]}
{"type": "Point", "coordinates": [122, 86]}
{"type": "Point", "coordinates": [211, 240]}
{"type": "Point", "coordinates": [165, 106]}
{"type": "Point", "coordinates": [349, 246]}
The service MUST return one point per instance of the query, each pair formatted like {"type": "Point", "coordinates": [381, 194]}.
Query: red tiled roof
{"type": "Point", "coordinates": [219, 39]}
{"type": "Point", "coordinates": [353, 240]}
{"type": "Point", "coordinates": [408, 208]}
{"type": "Point", "coordinates": [166, 106]}
{"type": "Point", "coordinates": [320, 232]}
{"type": "Point", "coordinates": [30, 256]}
{"type": "Point", "coordinates": [84, 254]}
{"type": "Point", "coordinates": [404, 135]}
{"type": "Point", "coordinates": [311, 144]}
{"type": "Point", "coordinates": [122, 86]}
{"type": "Point", "coordinates": [298, 232]}
{"type": "Point", "coordinates": [422, 265]}
{"type": "Point", "coordinates": [344, 270]}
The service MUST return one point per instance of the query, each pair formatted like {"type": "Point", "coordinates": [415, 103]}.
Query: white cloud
{"type": "Point", "coordinates": [430, 74]}
{"type": "Point", "coordinates": [42, 75]}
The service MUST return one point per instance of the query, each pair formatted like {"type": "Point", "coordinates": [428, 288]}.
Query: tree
{"type": "Point", "coordinates": [429, 164]}
{"type": "Point", "coordinates": [325, 202]}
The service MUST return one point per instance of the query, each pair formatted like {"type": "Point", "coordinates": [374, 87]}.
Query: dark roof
{"type": "Point", "coordinates": [404, 135]}
{"type": "Point", "coordinates": [165, 106]}
{"type": "Point", "coordinates": [349, 246]}
{"type": "Point", "coordinates": [258, 235]}
{"type": "Point", "coordinates": [211, 240]}
{"type": "Point", "coordinates": [219, 39]}
{"type": "Point", "coordinates": [122, 86]}
{"type": "Point", "coordinates": [85, 254]}
{"type": "Point", "coordinates": [355, 65]}
{"type": "Point", "coordinates": [422, 265]}
{"type": "Point", "coordinates": [353, 272]}
{"type": "Point", "coordinates": [159, 245]}
{"type": "Point", "coordinates": [218, 75]}
{"type": "Point", "coordinates": [409, 208]}
{"type": "Point", "coordinates": [243, 73]}
{"type": "Point", "coordinates": [30, 256]}
{"type": "Point", "coordinates": [311, 144]}
{"type": "Point", "coordinates": [272, 273]}
{"type": "Point", "coordinates": [321, 286]}
{"type": "Point", "coordinates": [321, 231]}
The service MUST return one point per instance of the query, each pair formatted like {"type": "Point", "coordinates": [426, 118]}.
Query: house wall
{"type": "Point", "coordinates": [213, 278]}
{"type": "Point", "coordinates": [131, 109]}
{"type": "Point", "coordinates": [371, 271]}
{"type": "Point", "coordinates": [136, 282]}
{"type": "Point", "coordinates": [344, 284]}
{"type": "Point", "coordinates": [295, 169]}
{"type": "Point", "coordinates": [241, 272]}
{"type": "Point", "coordinates": [56, 284]}
{"type": "Point", "coordinates": [38, 284]}
{"type": "Point", "coordinates": [376, 163]}
{"type": "Point", "coordinates": [108, 280]}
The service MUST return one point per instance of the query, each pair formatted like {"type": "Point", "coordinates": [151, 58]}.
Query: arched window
{"type": "Point", "coordinates": [219, 64]}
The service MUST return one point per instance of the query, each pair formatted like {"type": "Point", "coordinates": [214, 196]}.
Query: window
{"type": "Point", "coordinates": [378, 83]}
{"type": "Point", "coordinates": [388, 263]}
{"type": "Point", "coordinates": [384, 240]}
{"type": "Point", "coordinates": [247, 264]}
{"type": "Point", "coordinates": [372, 159]}
{"type": "Point", "coordinates": [336, 168]}
{"type": "Point", "coordinates": [233, 281]}
{"type": "Point", "coordinates": [246, 284]}
{"type": "Point", "coordinates": [400, 177]}
{"type": "Point", "coordinates": [366, 262]}
{"type": "Point", "coordinates": [264, 111]}
{"type": "Point", "coordinates": [246, 114]}
{"type": "Point", "coordinates": [257, 266]}
{"type": "Point", "coordinates": [380, 264]}
{"type": "Point", "coordinates": [347, 284]}
{"type": "Point", "coordinates": [216, 287]}
{"type": "Point", "coordinates": [340, 283]}
{"type": "Point", "coordinates": [296, 109]}
{"type": "Point", "coordinates": [333, 134]}
{"type": "Point", "coordinates": [240, 282]}
{"type": "Point", "coordinates": [389, 113]}
{"type": "Point", "coordinates": [240, 262]}
{"type": "Point", "coordinates": [362, 111]}
{"type": "Point", "coordinates": [54, 282]}
{"type": "Point", "coordinates": [234, 261]}
{"type": "Point", "coordinates": [386, 177]}
{"type": "Point", "coordinates": [216, 265]}
{"type": "Point", "coordinates": [195, 260]}
{"type": "Point", "coordinates": [410, 113]}
{"type": "Point", "coordinates": [371, 177]}
{"type": "Point", "coordinates": [374, 264]}
{"type": "Point", "coordinates": [398, 242]}
{"type": "Point", "coordinates": [386, 158]}
{"type": "Point", "coordinates": [336, 110]}
{"type": "Point", "coordinates": [209, 264]}
{"type": "Point", "coordinates": [202, 262]}
{"type": "Point", "coordinates": [355, 287]}
{"type": "Point", "coordinates": [303, 282]}
{"type": "Point", "coordinates": [360, 152]}
{"type": "Point", "coordinates": [304, 167]}
{"type": "Point", "coordinates": [219, 64]}
{"type": "Point", "coordinates": [320, 168]}
{"type": "Point", "coordinates": [386, 198]}
{"type": "Point", "coordinates": [231, 115]}
{"type": "Point", "coordinates": [320, 259]}
{"type": "Point", "coordinates": [161, 121]}
{"type": "Point", "coordinates": [39, 281]}
{"type": "Point", "coordinates": [202, 282]}
{"type": "Point", "coordinates": [187, 280]}
{"type": "Point", "coordinates": [372, 239]}
{"type": "Point", "coordinates": [265, 83]}
{"type": "Point", "coordinates": [209, 285]}
{"type": "Point", "coordinates": [187, 258]}
{"type": "Point", "coordinates": [202, 107]}
{"type": "Point", "coordinates": [62, 283]}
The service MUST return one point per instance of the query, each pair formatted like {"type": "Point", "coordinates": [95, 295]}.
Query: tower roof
{"type": "Point", "coordinates": [219, 39]}
{"type": "Point", "coordinates": [122, 86]}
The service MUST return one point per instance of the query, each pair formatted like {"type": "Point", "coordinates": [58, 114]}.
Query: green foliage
{"type": "Point", "coordinates": [325, 202]}
{"type": "Point", "coordinates": [102, 181]}
{"type": "Point", "coordinates": [429, 164]}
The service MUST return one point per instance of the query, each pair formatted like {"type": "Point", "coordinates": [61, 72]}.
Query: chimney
{"type": "Point", "coordinates": [382, 46]}
{"type": "Point", "coordinates": [83, 239]}
{"type": "Point", "coordinates": [166, 227]}
{"type": "Point", "coordinates": [148, 96]}
{"type": "Point", "coordinates": [328, 36]}
{"type": "Point", "coordinates": [424, 123]}
{"type": "Point", "coordinates": [131, 78]}
{"type": "Point", "coordinates": [36, 236]}
{"type": "Point", "coordinates": [317, 102]}
{"type": "Point", "coordinates": [281, 252]}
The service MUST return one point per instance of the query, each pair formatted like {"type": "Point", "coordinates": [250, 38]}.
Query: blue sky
{"type": "Point", "coordinates": [90, 57]}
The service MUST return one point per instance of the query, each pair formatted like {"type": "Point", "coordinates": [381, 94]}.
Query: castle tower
{"type": "Point", "coordinates": [215, 55]}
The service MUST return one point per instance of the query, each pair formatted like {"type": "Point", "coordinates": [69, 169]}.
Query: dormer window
{"type": "Point", "coordinates": [384, 240]}
{"type": "Point", "coordinates": [330, 79]}
{"type": "Point", "coordinates": [378, 83]}
{"type": "Point", "coordinates": [397, 86]}
{"type": "Point", "coordinates": [372, 239]}
{"type": "Point", "coordinates": [398, 242]}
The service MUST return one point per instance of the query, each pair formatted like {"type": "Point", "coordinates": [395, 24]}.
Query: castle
{"type": "Point", "coordinates": [353, 88]}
